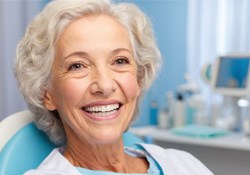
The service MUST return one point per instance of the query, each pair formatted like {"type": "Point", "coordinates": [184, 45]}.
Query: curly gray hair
{"type": "Point", "coordinates": [35, 52]}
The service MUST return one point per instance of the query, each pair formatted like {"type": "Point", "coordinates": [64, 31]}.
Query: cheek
{"type": "Point", "coordinates": [69, 91]}
{"type": "Point", "coordinates": [129, 86]}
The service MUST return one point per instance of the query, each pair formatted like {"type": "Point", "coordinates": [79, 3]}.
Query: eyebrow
{"type": "Point", "coordinates": [77, 53]}
{"type": "Point", "coordinates": [120, 50]}
{"type": "Point", "coordinates": [84, 54]}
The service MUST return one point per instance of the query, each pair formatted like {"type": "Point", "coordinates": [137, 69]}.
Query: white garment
{"type": "Point", "coordinates": [172, 162]}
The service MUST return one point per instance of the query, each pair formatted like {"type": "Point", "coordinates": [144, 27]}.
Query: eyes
{"type": "Point", "coordinates": [77, 66]}
{"type": "Point", "coordinates": [121, 61]}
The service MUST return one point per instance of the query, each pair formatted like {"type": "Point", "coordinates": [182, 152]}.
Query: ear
{"type": "Point", "coordinates": [48, 102]}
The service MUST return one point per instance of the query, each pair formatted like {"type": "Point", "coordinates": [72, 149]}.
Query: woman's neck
{"type": "Point", "coordinates": [106, 157]}
{"type": "Point", "coordinates": [101, 157]}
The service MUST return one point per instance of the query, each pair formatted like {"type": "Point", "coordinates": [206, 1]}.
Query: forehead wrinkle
{"type": "Point", "coordinates": [116, 51]}
{"type": "Point", "coordinates": [85, 54]}
{"type": "Point", "coordinates": [77, 53]}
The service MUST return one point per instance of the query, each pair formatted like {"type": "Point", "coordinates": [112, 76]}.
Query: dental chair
{"type": "Point", "coordinates": [23, 146]}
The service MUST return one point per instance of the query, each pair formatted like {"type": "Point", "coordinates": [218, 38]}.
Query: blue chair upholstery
{"type": "Point", "coordinates": [130, 139]}
{"type": "Point", "coordinates": [29, 147]}
{"type": "Point", "coordinates": [25, 150]}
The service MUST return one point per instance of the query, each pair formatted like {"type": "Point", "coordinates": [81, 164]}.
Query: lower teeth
{"type": "Point", "coordinates": [103, 114]}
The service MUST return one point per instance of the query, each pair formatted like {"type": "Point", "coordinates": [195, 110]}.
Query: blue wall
{"type": "Point", "coordinates": [169, 19]}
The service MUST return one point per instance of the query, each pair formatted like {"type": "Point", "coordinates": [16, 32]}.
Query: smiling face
{"type": "Point", "coordinates": [94, 85]}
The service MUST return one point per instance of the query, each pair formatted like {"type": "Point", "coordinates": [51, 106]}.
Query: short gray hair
{"type": "Point", "coordinates": [35, 52]}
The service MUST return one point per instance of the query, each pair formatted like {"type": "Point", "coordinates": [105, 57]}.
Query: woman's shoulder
{"type": "Point", "coordinates": [54, 163]}
{"type": "Point", "coordinates": [158, 150]}
{"type": "Point", "coordinates": [174, 161]}
{"type": "Point", "coordinates": [168, 153]}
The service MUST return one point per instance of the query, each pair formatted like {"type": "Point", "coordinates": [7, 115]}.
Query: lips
{"type": "Point", "coordinates": [102, 110]}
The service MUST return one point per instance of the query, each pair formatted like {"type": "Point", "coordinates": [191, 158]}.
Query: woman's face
{"type": "Point", "coordinates": [94, 80]}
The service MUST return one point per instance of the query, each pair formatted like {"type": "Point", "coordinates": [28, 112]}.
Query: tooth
{"type": "Point", "coordinates": [111, 107]}
{"type": "Point", "coordinates": [102, 109]}
{"type": "Point", "coordinates": [97, 109]}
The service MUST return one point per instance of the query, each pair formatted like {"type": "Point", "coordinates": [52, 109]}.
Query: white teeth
{"type": "Point", "coordinates": [103, 114]}
{"type": "Point", "coordinates": [101, 109]}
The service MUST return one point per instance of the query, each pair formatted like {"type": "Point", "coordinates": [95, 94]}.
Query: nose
{"type": "Point", "coordinates": [103, 83]}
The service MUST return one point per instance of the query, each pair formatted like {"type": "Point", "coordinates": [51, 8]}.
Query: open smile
{"type": "Point", "coordinates": [102, 111]}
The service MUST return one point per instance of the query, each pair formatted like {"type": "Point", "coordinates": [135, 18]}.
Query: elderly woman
{"type": "Point", "coordinates": [83, 66]}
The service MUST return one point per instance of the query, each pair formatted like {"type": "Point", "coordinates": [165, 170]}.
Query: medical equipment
{"type": "Point", "coordinates": [230, 77]}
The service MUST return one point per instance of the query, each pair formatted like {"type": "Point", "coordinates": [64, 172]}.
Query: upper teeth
{"type": "Point", "coordinates": [104, 108]}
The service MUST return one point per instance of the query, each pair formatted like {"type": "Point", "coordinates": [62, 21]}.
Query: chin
{"type": "Point", "coordinates": [107, 138]}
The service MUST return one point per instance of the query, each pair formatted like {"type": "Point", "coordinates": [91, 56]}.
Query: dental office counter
{"type": "Point", "coordinates": [224, 155]}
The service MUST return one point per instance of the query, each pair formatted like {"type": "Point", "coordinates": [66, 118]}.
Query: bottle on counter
{"type": "Point", "coordinates": [179, 110]}
{"type": "Point", "coordinates": [153, 113]}
{"type": "Point", "coordinates": [170, 108]}
{"type": "Point", "coordinates": [163, 119]}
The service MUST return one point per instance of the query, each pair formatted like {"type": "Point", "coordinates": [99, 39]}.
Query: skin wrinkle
{"type": "Point", "coordinates": [95, 144]}
{"type": "Point", "coordinates": [98, 163]}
